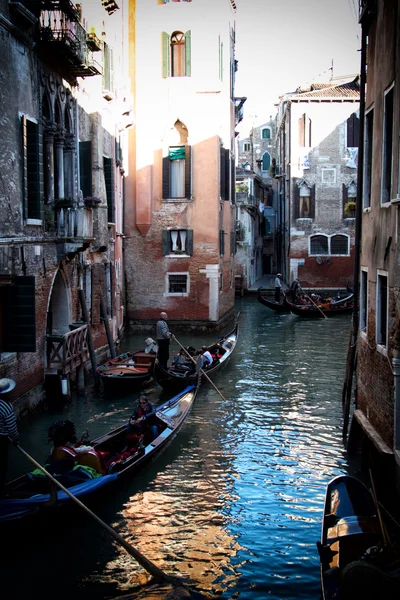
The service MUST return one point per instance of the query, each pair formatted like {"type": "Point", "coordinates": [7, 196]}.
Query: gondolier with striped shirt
{"type": "Point", "coordinates": [163, 340]}
{"type": "Point", "coordinates": [8, 427]}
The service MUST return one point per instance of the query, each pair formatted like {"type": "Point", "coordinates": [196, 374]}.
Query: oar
{"type": "Point", "coordinates": [142, 560]}
{"type": "Point", "coordinates": [201, 370]}
{"type": "Point", "coordinates": [311, 300]}
{"type": "Point", "coordinates": [385, 535]}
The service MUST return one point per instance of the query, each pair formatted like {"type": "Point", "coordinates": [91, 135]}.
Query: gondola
{"type": "Point", "coordinates": [129, 370]}
{"type": "Point", "coordinates": [359, 553]}
{"type": "Point", "coordinates": [315, 311]}
{"type": "Point", "coordinates": [107, 461]}
{"type": "Point", "coordinates": [280, 307]}
{"type": "Point", "coordinates": [175, 378]}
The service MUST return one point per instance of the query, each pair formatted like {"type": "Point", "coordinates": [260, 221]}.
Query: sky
{"type": "Point", "coordinates": [282, 44]}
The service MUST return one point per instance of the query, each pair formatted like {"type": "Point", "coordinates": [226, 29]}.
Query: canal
{"type": "Point", "coordinates": [234, 503]}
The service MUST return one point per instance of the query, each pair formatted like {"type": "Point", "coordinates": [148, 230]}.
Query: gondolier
{"type": "Point", "coordinates": [8, 426]}
{"type": "Point", "coordinates": [278, 286]}
{"type": "Point", "coordinates": [163, 339]}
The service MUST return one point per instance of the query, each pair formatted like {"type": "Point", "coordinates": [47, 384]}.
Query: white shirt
{"type": "Point", "coordinates": [278, 282]}
{"type": "Point", "coordinates": [208, 358]}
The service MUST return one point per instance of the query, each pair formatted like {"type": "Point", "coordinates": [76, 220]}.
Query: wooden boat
{"type": "Point", "coordinates": [128, 370]}
{"type": "Point", "coordinates": [359, 557]}
{"type": "Point", "coordinates": [280, 307]}
{"type": "Point", "coordinates": [107, 461]}
{"type": "Point", "coordinates": [175, 378]}
{"type": "Point", "coordinates": [318, 311]}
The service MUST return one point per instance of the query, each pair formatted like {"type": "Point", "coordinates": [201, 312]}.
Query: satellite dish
{"type": "Point", "coordinates": [328, 260]}
{"type": "Point", "coordinates": [320, 260]}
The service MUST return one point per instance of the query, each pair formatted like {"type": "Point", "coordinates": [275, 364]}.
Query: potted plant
{"type": "Point", "coordinates": [350, 208]}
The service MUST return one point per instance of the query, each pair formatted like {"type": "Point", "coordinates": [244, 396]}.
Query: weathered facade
{"type": "Point", "coordinates": [61, 192]}
{"type": "Point", "coordinates": [378, 346]}
{"type": "Point", "coordinates": [317, 170]}
{"type": "Point", "coordinates": [180, 187]}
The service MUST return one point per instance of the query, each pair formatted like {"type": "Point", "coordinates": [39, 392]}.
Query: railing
{"type": "Point", "coordinates": [246, 198]}
{"type": "Point", "coordinates": [67, 352]}
{"type": "Point", "coordinates": [74, 222]}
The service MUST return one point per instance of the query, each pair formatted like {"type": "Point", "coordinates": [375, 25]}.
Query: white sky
{"type": "Point", "coordinates": [282, 44]}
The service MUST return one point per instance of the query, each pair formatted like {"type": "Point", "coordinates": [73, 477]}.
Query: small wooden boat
{"type": "Point", "coordinates": [177, 377]}
{"type": "Point", "coordinates": [358, 549]}
{"type": "Point", "coordinates": [128, 370]}
{"type": "Point", "coordinates": [110, 458]}
{"type": "Point", "coordinates": [318, 311]}
{"type": "Point", "coordinates": [280, 307]}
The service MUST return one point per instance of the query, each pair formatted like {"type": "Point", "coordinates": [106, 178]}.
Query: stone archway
{"type": "Point", "coordinates": [59, 310]}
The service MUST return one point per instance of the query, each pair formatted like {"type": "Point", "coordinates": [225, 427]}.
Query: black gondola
{"type": "Point", "coordinates": [175, 378]}
{"type": "Point", "coordinates": [280, 307]}
{"type": "Point", "coordinates": [318, 311]}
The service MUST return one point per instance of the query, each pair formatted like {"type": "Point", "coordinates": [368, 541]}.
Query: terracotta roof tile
{"type": "Point", "coordinates": [325, 91]}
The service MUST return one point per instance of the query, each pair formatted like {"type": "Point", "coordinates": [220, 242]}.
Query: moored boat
{"type": "Point", "coordinates": [317, 311]}
{"type": "Point", "coordinates": [109, 459]}
{"type": "Point", "coordinates": [129, 370]}
{"type": "Point", "coordinates": [177, 377]}
{"type": "Point", "coordinates": [358, 551]}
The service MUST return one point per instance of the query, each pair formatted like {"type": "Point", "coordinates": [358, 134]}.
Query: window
{"type": "Point", "coordinates": [177, 241]}
{"type": "Point", "coordinates": [266, 161]}
{"type": "Point", "coordinates": [368, 143]}
{"type": "Point", "coordinates": [387, 147]}
{"type": "Point", "coordinates": [176, 54]}
{"type": "Point", "coordinates": [33, 168]}
{"type": "Point", "coordinates": [319, 245]}
{"type": "Point", "coordinates": [18, 315]}
{"type": "Point", "coordinates": [177, 284]}
{"type": "Point", "coordinates": [381, 309]}
{"type": "Point", "coordinates": [109, 295]}
{"type": "Point", "coordinates": [266, 133]}
{"type": "Point", "coordinates": [176, 173]}
{"type": "Point", "coordinates": [304, 128]}
{"type": "Point", "coordinates": [364, 300]}
{"type": "Point", "coordinates": [246, 147]}
{"type": "Point", "coordinates": [328, 176]}
{"type": "Point", "coordinates": [224, 179]}
{"type": "Point", "coordinates": [339, 244]}
{"type": "Point", "coordinates": [352, 130]}
{"type": "Point", "coordinates": [85, 168]}
{"type": "Point", "coordinates": [221, 242]}
{"type": "Point", "coordinates": [349, 195]}
{"type": "Point", "coordinates": [109, 183]}
{"type": "Point", "coordinates": [304, 200]}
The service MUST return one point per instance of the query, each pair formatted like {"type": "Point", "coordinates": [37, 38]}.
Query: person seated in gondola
{"type": "Point", "coordinates": [206, 357]}
{"type": "Point", "coordinates": [143, 421]}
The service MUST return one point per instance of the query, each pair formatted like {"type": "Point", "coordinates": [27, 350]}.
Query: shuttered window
{"type": "Point", "coordinates": [177, 241]}
{"type": "Point", "coordinates": [221, 242]}
{"type": "Point", "coordinates": [176, 54]}
{"type": "Point", "coordinates": [177, 173]}
{"type": "Point", "coordinates": [109, 183]}
{"type": "Point", "coordinates": [19, 316]}
{"type": "Point", "coordinates": [32, 144]}
{"type": "Point", "coordinates": [85, 168]}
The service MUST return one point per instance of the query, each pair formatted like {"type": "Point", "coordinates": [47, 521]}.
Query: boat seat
{"type": "Point", "coordinates": [62, 453]}
{"type": "Point", "coordinates": [92, 459]}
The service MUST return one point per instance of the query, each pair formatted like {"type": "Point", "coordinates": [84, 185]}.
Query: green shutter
{"type": "Point", "coordinates": [312, 201]}
{"type": "Point", "coordinates": [166, 246]}
{"type": "Point", "coordinates": [222, 173]}
{"type": "Point", "coordinates": [188, 172]}
{"type": "Point", "coordinates": [188, 52]}
{"type": "Point", "coordinates": [33, 170]}
{"type": "Point", "coordinates": [19, 318]}
{"type": "Point", "coordinates": [296, 199]}
{"type": "Point", "coordinates": [85, 168]}
{"type": "Point", "coordinates": [109, 183]}
{"type": "Point", "coordinates": [189, 242]}
{"type": "Point", "coordinates": [165, 54]}
{"type": "Point", "coordinates": [165, 178]}
{"type": "Point", "coordinates": [266, 163]}
{"type": "Point", "coordinates": [25, 165]}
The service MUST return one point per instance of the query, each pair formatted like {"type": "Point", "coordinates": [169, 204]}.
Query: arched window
{"type": "Point", "coordinates": [266, 161]}
{"type": "Point", "coordinates": [176, 54]}
{"type": "Point", "coordinates": [266, 133]}
{"type": "Point", "coordinates": [319, 245]}
{"type": "Point", "coordinates": [340, 244]}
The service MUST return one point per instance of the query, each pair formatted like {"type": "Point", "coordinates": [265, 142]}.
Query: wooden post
{"type": "Point", "coordinates": [104, 316]}
{"type": "Point", "coordinates": [89, 338]}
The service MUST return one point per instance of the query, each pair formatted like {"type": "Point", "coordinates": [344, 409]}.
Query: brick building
{"type": "Point", "coordinates": [62, 131]}
{"type": "Point", "coordinates": [317, 137]}
{"type": "Point", "coordinates": [180, 185]}
{"type": "Point", "coordinates": [378, 277]}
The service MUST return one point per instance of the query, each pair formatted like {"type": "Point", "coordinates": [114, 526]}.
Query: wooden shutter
{"type": "Point", "coordinates": [109, 183]}
{"type": "Point", "coordinates": [344, 196]}
{"type": "Point", "coordinates": [32, 156]}
{"type": "Point", "coordinates": [233, 181]}
{"type": "Point", "coordinates": [296, 201]}
{"type": "Point", "coordinates": [166, 49]}
{"type": "Point", "coordinates": [19, 319]}
{"type": "Point", "coordinates": [166, 242]}
{"type": "Point", "coordinates": [227, 177]}
{"type": "Point", "coordinates": [233, 242]}
{"type": "Point", "coordinates": [25, 165]}
{"type": "Point", "coordinates": [189, 242]}
{"type": "Point", "coordinates": [312, 201]}
{"type": "Point", "coordinates": [221, 242]}
{"type": "Point", "coordinates": [85, 168]}
{"type": "Point", "coordinates": [165, 177]}
{"type": "Point", "coordinates": [352, 131]}
{"type": "Point", "coordinates": [188, 172]}
{"type": "Point", "coordinates": [188, 52]}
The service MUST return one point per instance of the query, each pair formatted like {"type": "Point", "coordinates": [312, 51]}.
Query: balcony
{"type": "Point", "coordinates": [246, 199]}
{"type": "Point", "coordinates": [62, 42]}
{"type": "Point", "coordinates": [73, 227]}
{"type": "Point", "coordinates": [67, 352]}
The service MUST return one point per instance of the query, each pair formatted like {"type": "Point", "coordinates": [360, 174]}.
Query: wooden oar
{"type": "Point", "coordinates": [201, 370]}
{"type": "Point", "coordinates": [142, 560]}
{"type": "Point", "coordinates": [311, 300]}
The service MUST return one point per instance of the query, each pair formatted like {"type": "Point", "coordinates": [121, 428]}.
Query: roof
{"type": "Point", "coordinates": [329, 91]}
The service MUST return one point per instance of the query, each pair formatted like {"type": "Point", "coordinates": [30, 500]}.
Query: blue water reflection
{"type": "Point", "coordinates": [235, 502]}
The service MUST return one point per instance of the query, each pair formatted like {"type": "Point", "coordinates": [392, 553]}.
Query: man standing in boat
{"type": "Point", "coordinates": [278, 287]}
{"type": "Point", "coordinates": [8, 427]}
{"type": "Point", "coordinates": [163, 340]}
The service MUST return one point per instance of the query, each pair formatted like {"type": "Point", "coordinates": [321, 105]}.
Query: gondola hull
{"type": "Point", "coordinates": [355, 563]}
{"type": "Point", "coordinates": [318, 312]}
{"type": "Point", "coordinates": [33, 494]}
{"type": "Point", "coordinates": [128, 371]}
{"type": "Point", "coordinates": [280, 307]}
{"type": "Point", "coordinates": [175, 379]}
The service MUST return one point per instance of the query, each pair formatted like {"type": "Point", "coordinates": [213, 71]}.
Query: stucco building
{"type": "Point", "coordinates": [317, 138]}
{"type": "Point", "coordinates": [61, 172]}
{"type": "Point", "coordinates": [180, 185]}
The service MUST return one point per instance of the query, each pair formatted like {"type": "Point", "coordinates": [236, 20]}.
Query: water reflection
{"type": "Point", "coordinates": [235, 502]}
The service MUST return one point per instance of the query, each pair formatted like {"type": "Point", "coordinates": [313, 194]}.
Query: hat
{"type": "Point", "coordinates": [149, 341]}
{"type": "Point", "coordinates": [6, 385]}
{"type": "Point", "coordinates": [279, 274]}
